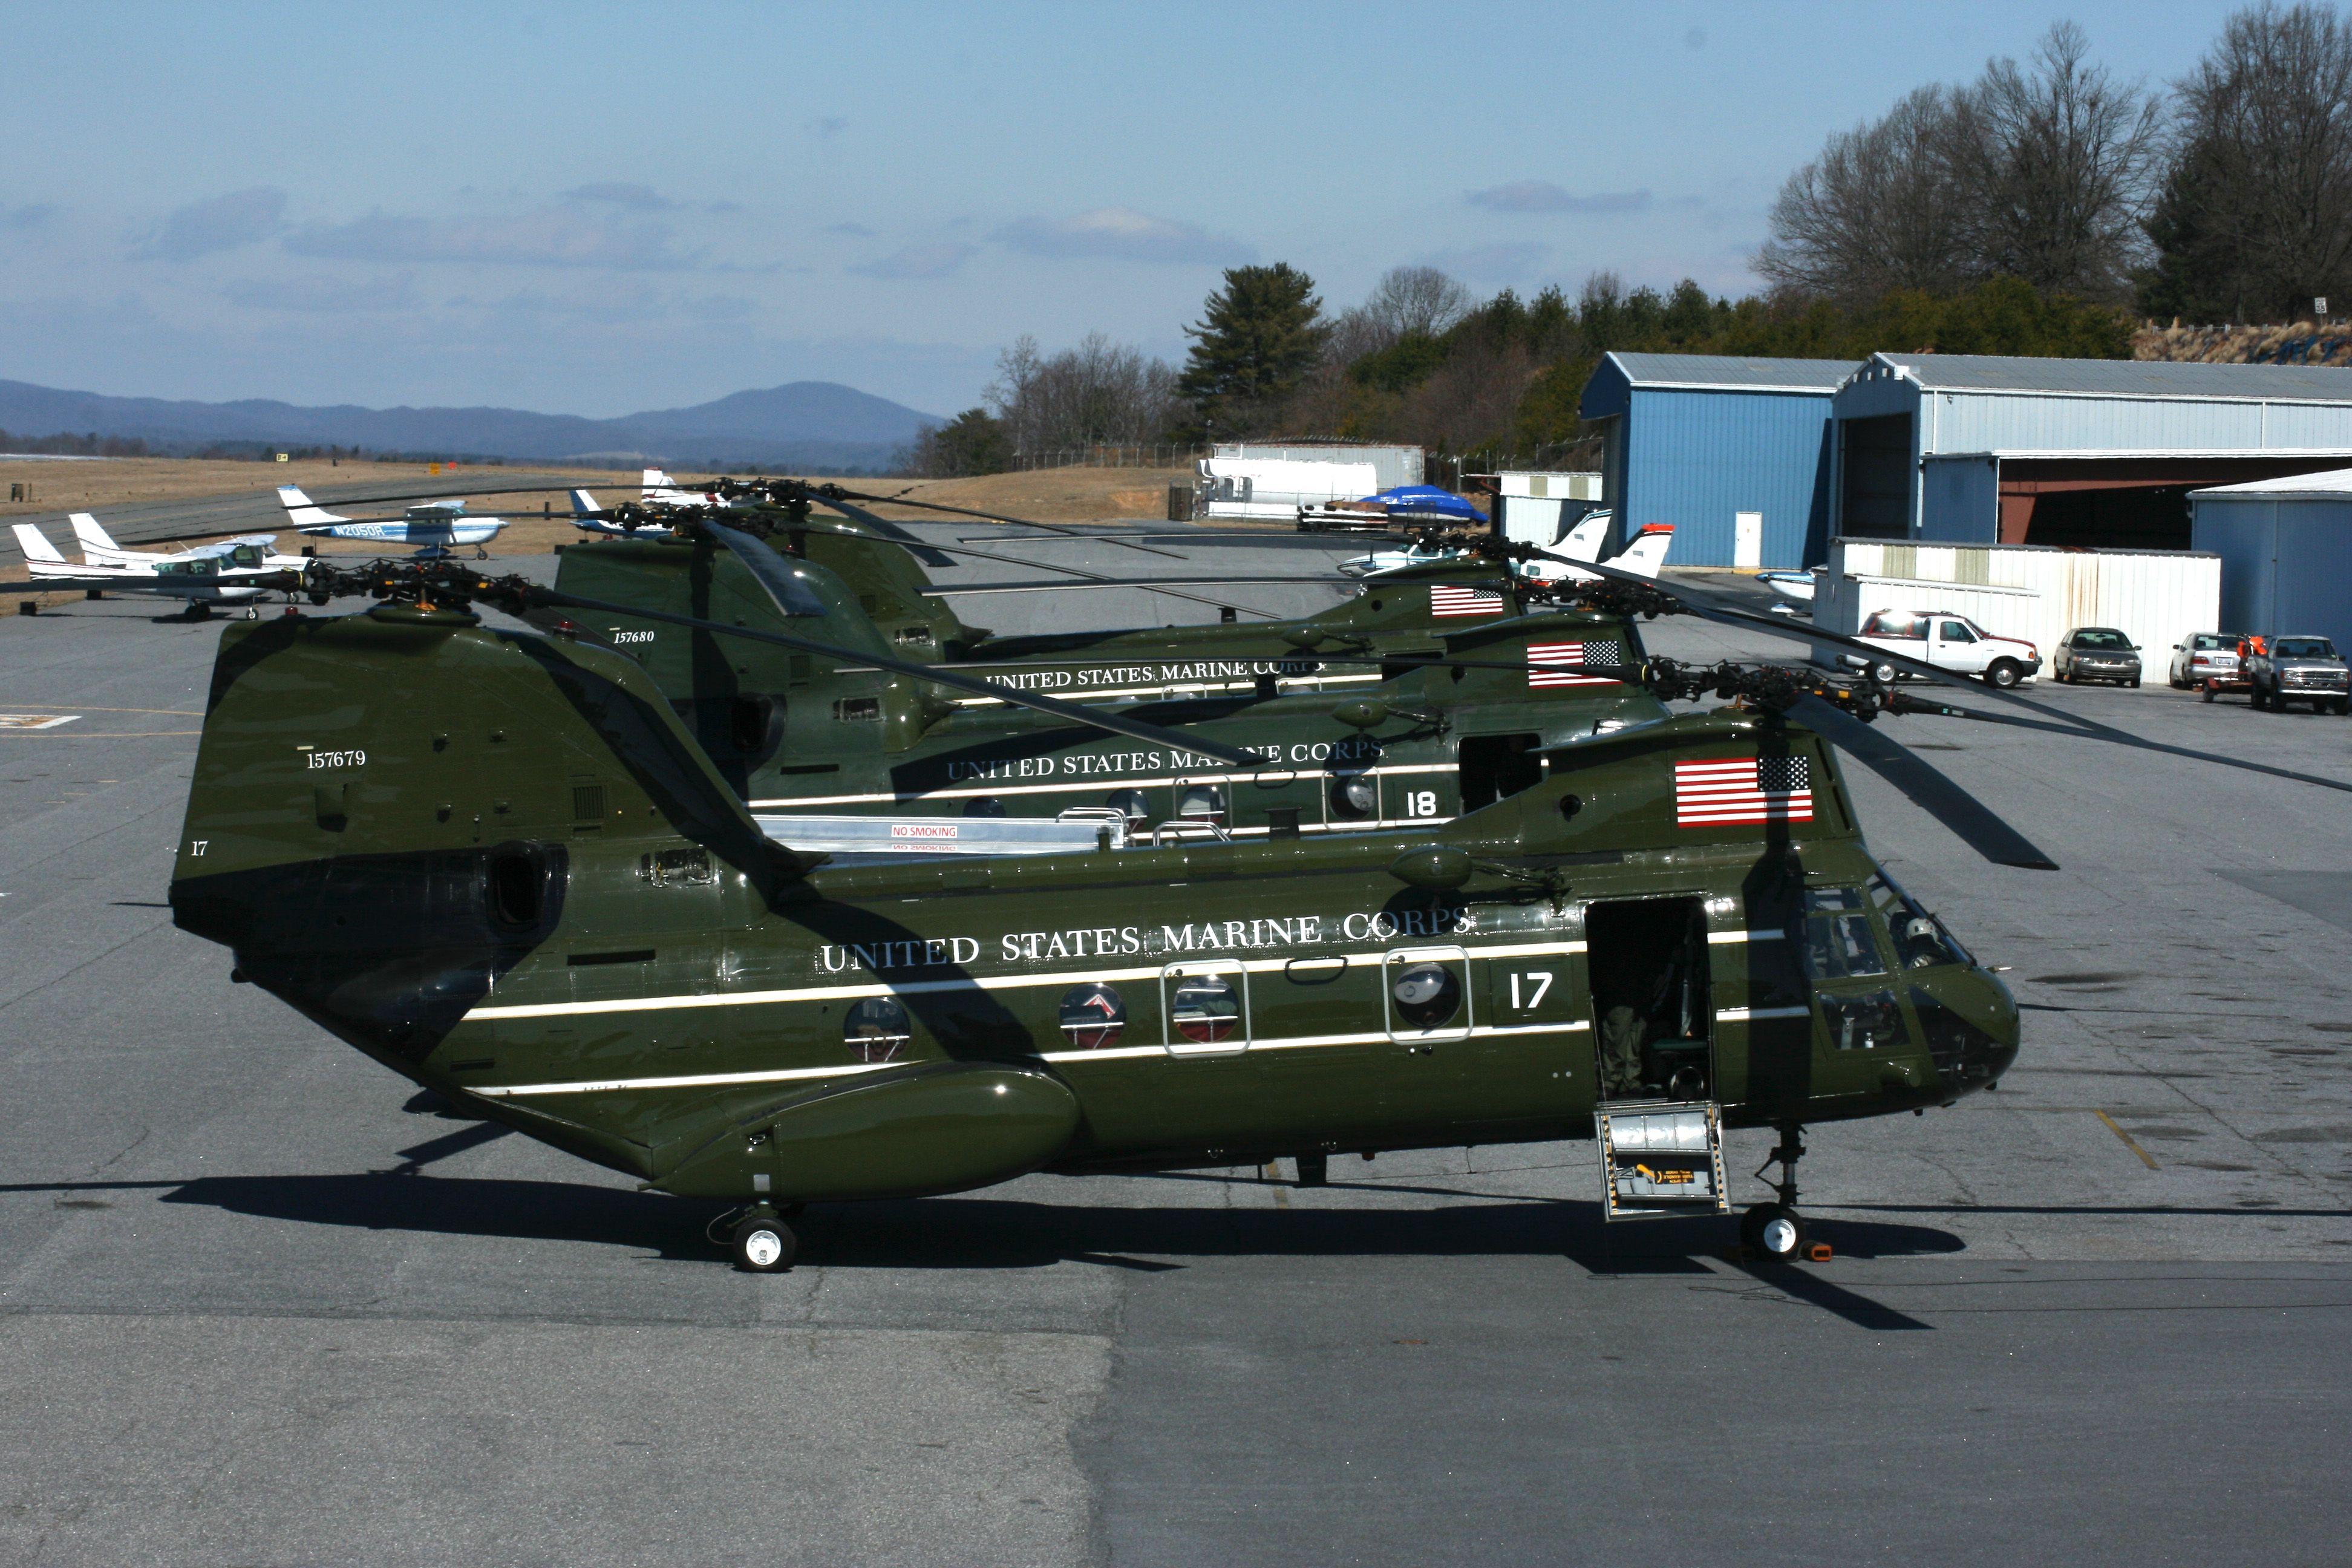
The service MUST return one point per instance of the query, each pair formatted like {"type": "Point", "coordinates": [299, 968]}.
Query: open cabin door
{"type": "Point", "coordinates": [1658, 1126]}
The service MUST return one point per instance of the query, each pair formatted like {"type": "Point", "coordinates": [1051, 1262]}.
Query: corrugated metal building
{"type": "Point", "coordinates": [1965, 448]}
{"type": "Point", "coordinates": [1391, 466]}
{"type": "Point", "coordinates": [1734, 453]}
{"type": "Point", "coordinates": [2285, 546]}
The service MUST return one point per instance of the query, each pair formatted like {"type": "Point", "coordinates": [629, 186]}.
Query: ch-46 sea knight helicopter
{"type": "Point", "coordinates": [500, 864]}
{"type": "Point", "coordinates": [1450, 713]}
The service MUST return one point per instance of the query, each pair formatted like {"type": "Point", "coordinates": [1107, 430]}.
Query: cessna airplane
{"type": "Point", "coordinates": [434, 525]}
{"type": "Point", "coordinates": [143, 572]}
{"type": "Point", "coordinates": [590, 518]}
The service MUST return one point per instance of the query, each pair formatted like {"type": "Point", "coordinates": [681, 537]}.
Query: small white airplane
{"type": "Point", "coordinates": [433, 526]}
{"type": "Point", "coordinates": [1795, 588]}
{"type": "Point", "coordinates": [582, 504]}
{"type": "Point", "coordinates": [148, 572]}
{"type": "Point", "coordinates": [660, 489]}
{"type": "Point", "coordinates": [1646, 553]}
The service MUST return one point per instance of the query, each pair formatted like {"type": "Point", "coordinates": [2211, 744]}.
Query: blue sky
{"type": "Point", "coordinates": [598, 209]}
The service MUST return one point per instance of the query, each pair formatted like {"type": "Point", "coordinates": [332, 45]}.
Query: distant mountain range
{"type": "Point", "coordinates": [802, 424]}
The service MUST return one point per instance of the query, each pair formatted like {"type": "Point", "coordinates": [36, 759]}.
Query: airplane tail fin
{"type": "Point", "coordinates": [1647, 551]}
{"type": "Point", "coordinates": [94, 542]}
{"type": "Point", "coordinates": [1582, 542]}
{"type": "Point", "coordinates": [583, 503]}
{"type": "Point", "coordinates": [36, 546]}
{"type": "Point", "coordinates": [301, 511]}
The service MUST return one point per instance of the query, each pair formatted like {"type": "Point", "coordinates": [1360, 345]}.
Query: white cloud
{"type": "Point", "coordinates": [329, 296]}
{"type": "Point", "coordinates": [553, 236]}
{"type": "Point", "coordinates": [1125, 235]}
{"type": "Point", "coordinates": [917, 261]}
{"type": "Point", "coordinates": [639, 198]}
{"type": "Point", "coordinates": [1543, 197]}
{"type": "Point", "coordinates": [219, 223]}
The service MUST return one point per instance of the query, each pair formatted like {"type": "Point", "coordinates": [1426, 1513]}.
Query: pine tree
{"type": "Point", "coordinates": [1257, 338]}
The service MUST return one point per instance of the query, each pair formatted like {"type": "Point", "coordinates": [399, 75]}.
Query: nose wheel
{"type": "Point", "coordinates": [1775, 1230]}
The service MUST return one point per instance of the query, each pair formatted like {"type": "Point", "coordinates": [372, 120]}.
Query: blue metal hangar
{"type": "Point", "coordinates": [1734, 454]}
{"type": "Point", "coordinates": [1980, 449]}
{"type": "Point", "coordinates": [2285, 546]}
{"type": "Point", "coordinates": [1761, 462]}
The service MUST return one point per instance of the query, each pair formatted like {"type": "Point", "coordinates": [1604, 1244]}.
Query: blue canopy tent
{"type": "Point", "coordinates": [1426, 500]}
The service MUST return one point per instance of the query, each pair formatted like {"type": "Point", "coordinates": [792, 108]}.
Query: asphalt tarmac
{"type": "Point", "coordinates": [261, 1305]}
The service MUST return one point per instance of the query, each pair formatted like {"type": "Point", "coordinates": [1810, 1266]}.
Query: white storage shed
{"type": "Point", "coordinates": [2035, 592]}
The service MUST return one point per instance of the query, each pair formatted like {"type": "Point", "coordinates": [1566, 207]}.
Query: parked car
{"type": "Point", "coordinates": [2096, 653]}
{"type": "Point", "coordinates": [2300, 670]}
{"type": "Point", "coordinates": [1950, 641]}
{"type": "Point", "coordinates": [2203, 656]}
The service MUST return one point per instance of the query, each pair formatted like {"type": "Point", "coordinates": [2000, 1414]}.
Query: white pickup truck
{"type": "Point", "coordinates": [1950, 641]}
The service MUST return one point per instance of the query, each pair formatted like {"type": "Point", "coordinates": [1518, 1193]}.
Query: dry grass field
{"type": "Point", "coordinates": [1046, 495]}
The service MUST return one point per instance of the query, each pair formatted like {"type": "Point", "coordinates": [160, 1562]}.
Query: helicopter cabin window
{"type": "Point", "coordinates": [1496, 765]}
{"type": "Point", "coordinates": [1355, 796]}
{"type": "Point", "coordinates": [1427, 994]}
{"type": "Point", "coordinates": [1201, 800]}
{"type": "Point", "coordinates": [516, 886]}
{"type": "Point", "coordinates": [1652, 997]}
{"type": "Point", "coordinates": [1870, 1022]}
{"type": "Point", "coordinates": [1129, 802]}
{"type": "Point", "coordinates": [1208, 1010]}
{"type": "Point", "coordinates": [1920, 939]}
{"type": "Point", "coordinates": [1093, 1018]}
{"type": "Point", "coordinates": [877, 1031]}
{"type": "Point", "coordinates": [1838, 940]}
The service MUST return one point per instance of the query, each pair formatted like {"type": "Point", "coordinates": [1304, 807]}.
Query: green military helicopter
{"type": "Point", "coordinates": [500, 864]}
{"type": "Point", "coordinates": [1447, 717]}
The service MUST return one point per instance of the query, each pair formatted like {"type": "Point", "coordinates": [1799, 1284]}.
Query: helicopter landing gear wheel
{"type": "Point", "coordinates": [763, 1244]}
{"type": "Point", "coordinates": [1774, 1231]}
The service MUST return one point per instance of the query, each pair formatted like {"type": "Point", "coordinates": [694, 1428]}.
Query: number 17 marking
{"type": "Point", "coordinates": [1540, 979]}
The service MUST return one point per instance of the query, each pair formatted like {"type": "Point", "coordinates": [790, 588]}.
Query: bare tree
{"type": "Point", "coordinates": [1096, 394]}
{"type": "Point", "coordinates": [1423, 299]}
{"type": "Point", "coordinates": [2256, 215]}
{"type": "Point", "coordinates": [2052, 168]}
{"type": "Point", "coordinates": [1879, 209]}
{"type": "Point", "coordinates": [2040, 172]}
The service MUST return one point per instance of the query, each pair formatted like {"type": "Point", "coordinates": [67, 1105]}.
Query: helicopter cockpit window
{"type": "Point", "coordinates": [1093, 1018]}
{"type": "Point", "coordinates": [1920, 939]}
{"type": "Point", "coordinates": [1870, 1022]}
{"type": "Point", "coordinates": [877, 1030]}
{"type": "Point", "coordinates": [1838, 941]}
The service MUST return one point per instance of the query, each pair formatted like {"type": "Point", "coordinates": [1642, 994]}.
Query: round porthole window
{"type": "Point", "coordinates": [1093, 1017]}
{"type": "Point", "coordinates": [983, 806]}
{"type": "Point", "coordinates": [1426, 994]}
{"type": "Point", "coordinates": [1130, 802]}
{"type": "Point", "coordinates": [1205, 1008]}
{"type": "Point", "coordinates": [1355, 796]}
{"type": "Point", "coordinates": [877, 1031]}
{"type": "Point", "coordinates": [1200, 800]}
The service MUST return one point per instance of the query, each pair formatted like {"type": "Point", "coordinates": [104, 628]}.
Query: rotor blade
{"type": "Point", "coordinates": [1070, 712]}
{"type": "Point", "coordinates": [1084, 575]}
{"type": "Point", "coordinates": [791, 596]}
{"type": "Point", "coordinates": [999, 517]}
{"type": "Point", "coordinates": [1969, 819]}
{"type": "Point", "coordinates": [172, 585]}
{"type": "Point", "coordinates": [1292, 581]}
{"type": "Point", "coordinates": [921, 551]}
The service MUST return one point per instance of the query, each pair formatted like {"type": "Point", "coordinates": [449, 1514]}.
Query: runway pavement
{"type": "Point", "coordinates": [258, 1304]}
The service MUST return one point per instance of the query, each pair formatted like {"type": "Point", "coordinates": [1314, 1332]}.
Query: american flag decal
{"type": "Point", "coordinates": [1564, 663]}
{"type": "Point", "coordinates": [1447, 600]}
{"type": "Point", "coordinates": [1743, 789]}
